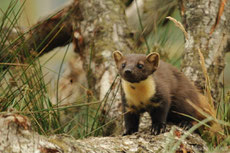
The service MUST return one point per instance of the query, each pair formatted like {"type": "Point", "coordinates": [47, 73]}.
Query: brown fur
{"type": "Point", "coordinates": [171, 92]}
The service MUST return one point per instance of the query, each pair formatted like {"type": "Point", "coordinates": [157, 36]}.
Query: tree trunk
{"type": "Point", "coordinates": [208, 26]}
{"type": "Point", "coordinates": [104, 30]}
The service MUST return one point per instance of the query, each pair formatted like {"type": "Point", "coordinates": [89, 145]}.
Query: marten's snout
{"type": "Point", "coordinates": [128, 75]}
{"type": "Point", "coordinates": [128, 72]}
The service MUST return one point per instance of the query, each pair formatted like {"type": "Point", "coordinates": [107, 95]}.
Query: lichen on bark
{"type": "Point", "coordinates": [199, 18]}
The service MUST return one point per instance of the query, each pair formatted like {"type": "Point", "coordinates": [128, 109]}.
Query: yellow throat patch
{"type": "Point", "coordinates": [139, 94]}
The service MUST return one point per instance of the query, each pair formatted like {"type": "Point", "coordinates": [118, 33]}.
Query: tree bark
{"type": "Point", "coordinates": [207, 24]}
{"type": "Point", "coordinates": [17, 136]}
{"type": "Point", "coordinates": [104, 30]}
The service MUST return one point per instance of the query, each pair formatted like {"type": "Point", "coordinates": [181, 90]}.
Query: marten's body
{"type": "Point", "coordinates": [151, 85]}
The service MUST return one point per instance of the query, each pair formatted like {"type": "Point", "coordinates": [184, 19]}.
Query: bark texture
{"type": "Point", "coordinates": [17, 136]}
{"type": "Point", "coordinates": [208, 26]}
{"type": "Point", "coordinates": [104, 30]}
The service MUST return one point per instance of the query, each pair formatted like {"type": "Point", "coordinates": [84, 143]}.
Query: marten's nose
{"type": "Point", "coordinates": [128, 72]}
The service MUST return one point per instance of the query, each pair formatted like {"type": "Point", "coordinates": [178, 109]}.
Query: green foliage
{"type": "Point", "coordinates": [162, 40]}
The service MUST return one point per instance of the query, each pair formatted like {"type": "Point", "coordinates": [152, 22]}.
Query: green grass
{"type": "Point", "coordinates": [24, 89]}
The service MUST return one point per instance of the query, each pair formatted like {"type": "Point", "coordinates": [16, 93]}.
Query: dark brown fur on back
{"type": "Point", "coordinates": [172, 83]}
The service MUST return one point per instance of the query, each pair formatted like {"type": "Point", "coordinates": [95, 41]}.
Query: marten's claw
{"type": "Point", "coordinates": [158, 128]}
{"type": "Point", "coordinates": [129, 132]}
{"type": "Point", "coordinates": [186, 125]}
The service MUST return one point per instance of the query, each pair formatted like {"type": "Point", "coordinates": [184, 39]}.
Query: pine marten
{"type": "Point", "coordinates": [149, 84]}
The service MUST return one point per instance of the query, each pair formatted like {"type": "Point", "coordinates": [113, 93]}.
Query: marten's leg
{"type": "Point", "coordinates": [131, 122]}
{"type": "Point", "coordinates": [158, 125]}
{"type": "Point", "coordinates": [176, 116]}
{"type": "Point", "coordinates": [159, 115]}
{"type": "Point", "coordinates": [131, 116]}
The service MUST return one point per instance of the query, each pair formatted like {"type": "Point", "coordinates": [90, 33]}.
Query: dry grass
{"type": "Point", "coordinates": [207, 81]}
{"type": "Point", "coordinates": [179, 25]}
{"type": "Point", "coordinates": [202, 62]}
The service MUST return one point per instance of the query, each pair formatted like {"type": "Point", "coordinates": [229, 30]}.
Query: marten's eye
{"type": "Point", "coordinates": [123, 65]}
{"type": "Point", "coordinates": [140, 66]}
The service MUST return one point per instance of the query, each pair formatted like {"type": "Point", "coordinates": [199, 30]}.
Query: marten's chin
{"type": "Point", "coordinates": [130, 80]}
{"type": "Point", "coordinates": [133, 79]}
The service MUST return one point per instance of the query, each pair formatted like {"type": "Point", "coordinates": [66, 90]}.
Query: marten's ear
{"type": "Point", "coordinates": [153, 58]}
{"type": "Point", "coordinates": [117, 55]}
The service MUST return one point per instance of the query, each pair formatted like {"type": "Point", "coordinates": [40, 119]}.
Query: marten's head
{"type": "Point", "coordinates": [136, 67]}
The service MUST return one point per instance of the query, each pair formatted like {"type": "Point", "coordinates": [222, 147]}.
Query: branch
{"type": "Point", "coordinates": [54, 31]}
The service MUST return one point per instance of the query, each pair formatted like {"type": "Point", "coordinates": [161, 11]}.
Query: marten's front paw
{"type": "Point", "coordinates": [158, 128]}
{"type": "Point", "coordinates": [130, 131]}
{"type": "Point", "coordinates": [186, 125]}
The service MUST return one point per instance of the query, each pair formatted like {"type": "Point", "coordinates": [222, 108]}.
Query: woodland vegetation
{"type": "Point", "coordinates": [78, 107]}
